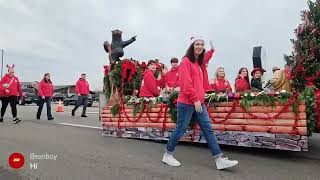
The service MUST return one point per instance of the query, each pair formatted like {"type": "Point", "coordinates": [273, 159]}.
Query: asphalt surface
{"type": "Point", "coordinates": [84, 154]}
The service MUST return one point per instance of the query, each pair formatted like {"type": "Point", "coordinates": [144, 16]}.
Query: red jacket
{"type": "Point", "coordinates": [14, 88]}
{"type": "Point", "coordinates": [206, 60]}
{"type": "Point", "coordinates": [191, 82]}
{"type": "Point", "coordinates": [220, 85]}
{"type": "Point", "coordinates": [45, 88]}
{"type": "Point", "coordinates": [242, 85]}
{"type": "Point", "coordinates": [173, 77]}
{"type": "Point", "coordinates": [82, 87]}
{"type": "Point", "coordinates": [149, 85]}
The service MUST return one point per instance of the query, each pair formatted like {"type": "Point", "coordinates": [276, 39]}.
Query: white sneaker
{"type": "Point", "coordinates": [223, 163]}
{"type": "Point", "coordinates": [170, 160]}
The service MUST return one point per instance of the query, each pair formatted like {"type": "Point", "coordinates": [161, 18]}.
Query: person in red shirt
{"type": "Point", "coordinates": [191, 104]}
{"type": "Point", "coordinates": [173, 75]}
{"type": "Point", "coordinates": [149, 86]}
{"type": "Point", "coordinates": [219, 83]}
{"type": "Point", "coordinates": [10, 92]}
{"type": "Point", "coordinates": [162, 76]}
{"type": "Point", "coordinates": [45, 92]}
{"type": "Point", "coordinates": [204, 67]}
{"type": "Point", "coordinates": [82, 90]}
{"type": "Point", "coordinates": [242, 83]}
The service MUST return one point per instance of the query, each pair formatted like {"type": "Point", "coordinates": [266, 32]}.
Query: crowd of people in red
{"type": "Point", "coordinates": [10, 93]}
{"type": "Point", "coordinates": [169, 80]}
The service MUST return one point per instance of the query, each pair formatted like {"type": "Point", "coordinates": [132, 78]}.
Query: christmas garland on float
{"type": "Point", "coordinates": [126, 77]}
{"type": "Point", "coordinates": [246, 100]}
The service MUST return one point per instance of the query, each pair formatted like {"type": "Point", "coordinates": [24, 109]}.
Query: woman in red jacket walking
{"type": "Point", "coordinates": [242, 81]}
{"type": "Point", "coordinates": [191, 104]}
{"type": "Point", "coordinates": [149, 86]}
{"type": "Point", "coordinates": [219, 83]}
{"type": "Point", "coordinates": [10, 93]}
{"type": "Point", "coordinates": [45, 92]}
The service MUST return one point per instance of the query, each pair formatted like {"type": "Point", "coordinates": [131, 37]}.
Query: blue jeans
{"type": "Point", "coordinates": [47, 100]}
{"type": "Point", "coordinates": [184, 115]}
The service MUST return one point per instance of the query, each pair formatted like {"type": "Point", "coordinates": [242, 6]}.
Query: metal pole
{"type": "Point", "coordinates": [2, 51]}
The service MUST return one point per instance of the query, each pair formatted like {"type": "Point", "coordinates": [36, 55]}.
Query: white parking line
{"type": "Point", "coordinates": [79, 125]}
{"type": "Point", "coordinates": [92, 112]}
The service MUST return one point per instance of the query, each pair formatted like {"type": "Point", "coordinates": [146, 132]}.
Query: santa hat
{"type": "Point", "coordinates": [196, 38]}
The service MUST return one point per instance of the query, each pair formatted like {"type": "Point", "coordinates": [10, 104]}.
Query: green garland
{"type": "Point", "coordinates": [310, 101]}
{"type": "Point", "coordinates": [138, 103]}
{"type": "Point", "coordinates": [137, 108]}
{"type": "Point", "coordinates": [172, 106]}
{"type": "Point", "coordinates": [115, 109]}
{"type": "Point", "coordinates": [263, 99]}
{"type": "Point", "coordinates": [116, 74]}
{"type": "Point", "coordinates": [107, 86]}
{"type": "Point", "coordinates": [247, 100]}
{"type": "Point", "coordinates": [173, 110]}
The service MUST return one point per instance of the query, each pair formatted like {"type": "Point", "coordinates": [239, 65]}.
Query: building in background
{"type": "Point", "coordinates": [67, 90]}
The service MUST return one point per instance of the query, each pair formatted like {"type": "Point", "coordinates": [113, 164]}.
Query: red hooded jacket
{"type": "Point", "coordinates": [149, 85]}
{"type": "Point", "coordinates": [206, 60]}
{"type": "Point", "coordinates": [173, 77]}
{"type": "Point", "coordinates": [82, 87]}
{"type": "Point", "coordinates": [191, 82]}
{"type": "Point", "coordinates": [220, 85]}
{"type": "Point", "coordinates": [242, 85]}
{"type": "Point", "coordinates": [14, 87]}
{"type": "Point", "coordinates": [45, 88]}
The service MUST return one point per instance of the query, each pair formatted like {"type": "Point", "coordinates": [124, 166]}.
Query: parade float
{"type": "Point", "coordinates": [266, 119]}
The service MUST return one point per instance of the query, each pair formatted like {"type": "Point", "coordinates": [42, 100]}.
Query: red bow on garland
{"type": "Point", "coordinates": [106, 69]}
{"type": "Point", "coordinates": [126, 65]}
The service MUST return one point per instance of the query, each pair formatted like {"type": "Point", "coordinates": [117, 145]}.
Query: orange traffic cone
{"type": "Point", "coordinates": [60, 107]}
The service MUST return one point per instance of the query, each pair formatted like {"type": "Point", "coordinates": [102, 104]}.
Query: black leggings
{"type": "Point", "coordinates": [13, 100]}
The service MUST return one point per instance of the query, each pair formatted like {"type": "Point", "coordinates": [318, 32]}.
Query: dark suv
{"type": "Point", "coordinates": [72, 100]}
{"type": "Point", "coordinates": [29, 96]}
{"type": "Point", "coordinates": [58, 96]}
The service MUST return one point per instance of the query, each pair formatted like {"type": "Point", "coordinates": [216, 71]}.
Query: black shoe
{"type": "Point", "coordinates": [38, 118]}
{"type": "Point", "coordinates": [72, 112]}
{"type": "Point", "coordinates": [1, 119]}
{"type": "Point", "coordinates": [16, 120]}
{"type": "Point", "coordinates": [50, 118]}
{"type": "Point", "coordinates": [84, 115]}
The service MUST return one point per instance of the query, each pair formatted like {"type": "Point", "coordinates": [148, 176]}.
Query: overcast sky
{"type": "Point", "coordinates": [65, 37]}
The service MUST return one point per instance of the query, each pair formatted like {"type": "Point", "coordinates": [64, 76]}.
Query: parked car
{"type": "Point", "coordinates": [72, 100]}
{"type": "Point", "coordinates": [29, 96]}
{"type": "Point", "coordinates": [58, 96]}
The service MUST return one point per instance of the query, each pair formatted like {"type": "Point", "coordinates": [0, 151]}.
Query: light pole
{"type": "Point", "coordinates": [2, 51]}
